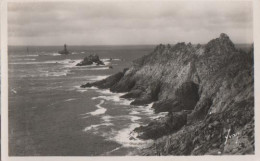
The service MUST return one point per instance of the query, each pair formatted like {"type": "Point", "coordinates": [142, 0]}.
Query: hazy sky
{"type": "Point", "coordinates": [110, 23]}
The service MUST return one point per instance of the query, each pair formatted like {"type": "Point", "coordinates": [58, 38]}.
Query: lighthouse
{"type": "Point", "coordinates": [64, 51]}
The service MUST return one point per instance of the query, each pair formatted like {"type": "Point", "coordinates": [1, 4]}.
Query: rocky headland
{"type": "Point", "coordinates": [207, 90]}
{"type": "Point", "coordinates": [91, 59]}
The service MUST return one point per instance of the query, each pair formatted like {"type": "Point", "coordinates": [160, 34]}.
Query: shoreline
{"type": "Point", "coordinates": [190, 83]}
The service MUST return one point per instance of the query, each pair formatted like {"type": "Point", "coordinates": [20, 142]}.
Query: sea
{"type": "Point", "coordinates": [50, 115]}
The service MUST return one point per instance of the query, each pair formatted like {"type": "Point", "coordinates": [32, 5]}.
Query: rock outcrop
{"type": "Point", "coordinates": [208, 91]}
{"type": "Point", "coordinates": [89, 60]}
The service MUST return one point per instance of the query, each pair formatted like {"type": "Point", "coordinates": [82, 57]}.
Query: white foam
{"type": "Point", "coordinates": [105, 59]}
{"type": "Point", "coordinates": [66, 61]}
{"type": "Point", "coordinates": [49, 54]}
{"type": "Point", "coordinates": [135, 118]}
{"type": "Point", "coordinates": [106, 118]}
{"type": "Point", "coordinates": [128, 138]}
{"type": "Point", "coordinates": [95, 127]}
{"type": "Point", "coordinates": [159, 115]}
{"type": "Point", "coordinates": [146, 109]}
{"type": "Point", "coordinates": [134, 112]}
{"type": "Point", "coordinates": [55, 54]}
{"type": "Point", "coordinates": [117, 59]}
{"type": "Point", "coordinates": [82, 90]}
{"type": "Point", "coordinates": [100, 110]}
{"type": "Point", "coordinates": [53, 74]}
{"type": "Point", "coordinates": [24, 59]}
{"type": "Point", "coordinates": [97, 78]}
{"type": "Point", "coordinates": [71, 99]}
{"type": "Point", "coordinates": [115, 97]}
{"type": "Point", "coordinates": [19, 56]}
{"type": "Point", "coordinates": [100, 68]}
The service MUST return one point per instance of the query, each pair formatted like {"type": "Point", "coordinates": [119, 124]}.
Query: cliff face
{"type": "Point", "coordinates": [207, 91]}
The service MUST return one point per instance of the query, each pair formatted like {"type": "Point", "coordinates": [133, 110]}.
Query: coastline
{"type": "Point", "coordinates": [195, 102]}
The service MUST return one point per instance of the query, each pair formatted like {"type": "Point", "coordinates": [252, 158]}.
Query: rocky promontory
{"type": "Point", "coordinates": [207, 90]}
{"type": "Point", "coordinates": [91, 59]}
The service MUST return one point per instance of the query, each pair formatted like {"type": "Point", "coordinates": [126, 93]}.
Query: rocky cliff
{"type": "Point", "coordinates": [207, 90]}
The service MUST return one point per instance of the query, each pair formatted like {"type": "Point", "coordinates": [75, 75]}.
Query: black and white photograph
{"type": "Point", "coordinates": [130, 78]}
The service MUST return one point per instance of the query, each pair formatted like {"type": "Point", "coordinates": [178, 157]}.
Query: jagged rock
{"type": "Point", "coordinates": [105, 83]}
{"type": "Point", "coordinates": [228, 132]}
{"type": "Point", "coordinates": [164, 126]}
{"type": "Point", "coordinates": [201, 110]}
{"type": "Point", "coordinates": [213, 81]}
{"type": "Point", "coordinates": [89, 60]}
{"type": "Point", "coordinates": [168, 105]}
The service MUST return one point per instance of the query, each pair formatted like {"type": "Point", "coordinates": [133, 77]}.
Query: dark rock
{"type": "Point", "coordinates": [106, 83]}
{"type": "Point", "coordinates": [168, 105]}
{"type": "Point", "coordinates": [187, 94]}
{"type": "Point", "coordinates": [201, 111]}
{"type": "Point", "coordinates": [89, 60]}
{"type": "Point", "coordinates": [158, 128]}
{"type": "Point", "coordinates": [126, 86]}
{"type": "Point", "coordinates": [186, 98]}
{"type": "Point", "coordinates": [86, 85]}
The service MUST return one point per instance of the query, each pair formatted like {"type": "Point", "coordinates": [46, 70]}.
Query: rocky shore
{"type": "Point", "coordinates": [207, 90]}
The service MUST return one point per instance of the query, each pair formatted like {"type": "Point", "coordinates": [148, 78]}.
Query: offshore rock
{"type": "Point", "coordinates": [89, 60]}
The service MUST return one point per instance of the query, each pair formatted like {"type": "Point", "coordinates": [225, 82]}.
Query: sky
{"type": "Point", "coordinates": [128, 22]}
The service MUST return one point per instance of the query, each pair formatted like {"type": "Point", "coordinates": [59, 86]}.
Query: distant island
{"type": "Point", "coordinates": [64, 51]}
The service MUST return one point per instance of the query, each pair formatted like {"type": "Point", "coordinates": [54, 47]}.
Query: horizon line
{"type": "Point", "coordinates": [126, 44]}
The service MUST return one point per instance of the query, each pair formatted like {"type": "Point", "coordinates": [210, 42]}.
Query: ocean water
{"type": "Point", "coordinates": [50, 115]}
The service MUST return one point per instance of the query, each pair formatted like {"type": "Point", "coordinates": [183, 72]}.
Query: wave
{"type": "Point", "coordinates": [95, 127]}
{"type": "Point", "coordinates": [24, 59]}
{"type": "Point", "coordinates": [99, 111]}
{"type": "Point", "coordinates": [117, 59]}
{"type": "Point", "coordinates": [53, 74]}
{"type": "Point", "coordinates": [128, 138]}
{"type": "Point", "coordinates": [44, 62]}
{"type": "Point", "coordinates": [107, 118]}
{"type": "Point", "coordinates": [49, 54]}
{"type": "Point", "coordinates": [21, 56]}
{"type": "Point", "coordinates": [115, 97]}
{"type": "Point", "coordinates": [97, 78]}
{"type": "Point", "coordinates": [100, 68]}
{"type": "Point", "coordinates": [71, 99]}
